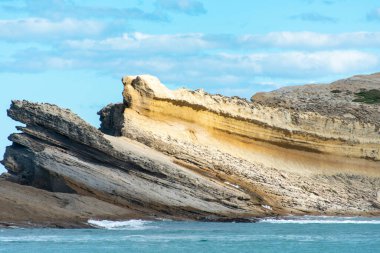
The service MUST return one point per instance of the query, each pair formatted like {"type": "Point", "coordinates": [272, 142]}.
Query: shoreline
{"type": "Point", "coordinates": [307, 219]}
{"type": "Point", "coordinates": [190, 155]}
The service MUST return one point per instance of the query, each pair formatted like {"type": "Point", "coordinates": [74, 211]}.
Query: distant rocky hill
{"type": "Point", "coordinates": [182, 154]}
{"type": "Point", "coordinates": [356, 98]}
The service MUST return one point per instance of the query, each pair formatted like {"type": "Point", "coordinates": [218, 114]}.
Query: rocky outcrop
{"type": "Point", "coordinates": [191, 155]}
{"type": "Point", "coordinates": [28, 206]}
{"type": "Point", "coordinates": [338, 100]}
{"type": "Point", "coordinates": [296, 160]}
{"type": "Point", "coordinates": [111, 118]}
{"type": "Point", "coordinates": [59, 152]}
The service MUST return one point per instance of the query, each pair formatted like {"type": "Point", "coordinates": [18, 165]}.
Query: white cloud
{"type": "Point", "coordinates": [315, 63]}
{"type": "Point", "coordinates": [32, 28]}
{"type": "Point", "coordinates": [162, 43]}
{"type": "Point", "coordinates": [312, 40]}
{"type": "Point", "coordinates": [295, 64]}
{"type": "Point", "coordinates": [206, 59]}
{"type": "Point", "coordinates": [193, 42]}
{"type": "Point", "coordinates": [61, 9]}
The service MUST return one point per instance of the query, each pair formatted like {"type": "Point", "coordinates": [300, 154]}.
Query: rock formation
{"type": "Point", "coordinates": [190, 155]}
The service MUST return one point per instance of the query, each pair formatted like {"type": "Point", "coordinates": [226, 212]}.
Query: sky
{"type": "Point", "coordinates": [73, 53]}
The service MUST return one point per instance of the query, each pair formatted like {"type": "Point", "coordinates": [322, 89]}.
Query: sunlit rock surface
{"type": "Point", "coordinates": [182, 154]}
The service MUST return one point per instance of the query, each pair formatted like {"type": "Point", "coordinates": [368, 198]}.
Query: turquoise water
{"type": "Point", "coordinates": [297, 235]}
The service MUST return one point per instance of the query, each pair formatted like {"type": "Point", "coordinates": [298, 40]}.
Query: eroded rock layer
{"type": "Point", "coordinates": [191, 155]}
{"type": "Point", "coordinates": [296, 160]}
{"type": "Point", "coordinates": [58, 151]}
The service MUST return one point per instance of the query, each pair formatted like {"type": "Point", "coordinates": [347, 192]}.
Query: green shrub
{"type": "Point", "coordinates": [368, 96]}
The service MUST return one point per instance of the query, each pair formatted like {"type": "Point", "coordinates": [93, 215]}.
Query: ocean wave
{"type": "Point", "coordinates": [121, 225]}
{"type": "Point", "coordinates": [31, 238]}
{"type": "Point", "coordinates": [321, 221]}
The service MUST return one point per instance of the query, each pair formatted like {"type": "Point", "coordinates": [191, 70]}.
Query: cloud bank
{"type": "Point", "coordinates": [69, 35]}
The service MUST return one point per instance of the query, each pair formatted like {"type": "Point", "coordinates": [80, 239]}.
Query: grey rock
{"type": "Point", "coordinates": [191, 155]}
{"type": "Point", "coordinates": [59, 152]}
{"type": "Point", "coordinates": [112, 120]}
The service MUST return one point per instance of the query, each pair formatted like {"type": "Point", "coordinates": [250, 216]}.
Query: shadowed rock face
{"type": "Point", "coordinates": [190, 155]}
{"type": "Point", "coordinates": [112, 120]}
{"type": "Point", "coordinates": [28, 206]}
{"type": "Point", "coordinates": [57, 151]}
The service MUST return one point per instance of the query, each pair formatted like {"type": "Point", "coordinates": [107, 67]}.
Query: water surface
{"type": "Point", "coordinates": [308, 234]}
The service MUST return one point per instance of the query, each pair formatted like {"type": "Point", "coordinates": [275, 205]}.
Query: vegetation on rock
{"type": "Point", "coordinates": [368, 96]}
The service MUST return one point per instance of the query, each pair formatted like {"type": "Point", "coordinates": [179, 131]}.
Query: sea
{"type": "Point", "coordinates": [295, 234]}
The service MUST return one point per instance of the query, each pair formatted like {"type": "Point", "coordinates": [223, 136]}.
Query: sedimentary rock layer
{"type": "Point", "coordinates": [298, 160]}
{"type": "Point", "coordinates": [191, 155]}
{"type": "Point", "coordinates": [27, 206]}
{"type": "Point", "coordinates": [58, 151]}
{"type": "Point", "coordinates": [341, 134]}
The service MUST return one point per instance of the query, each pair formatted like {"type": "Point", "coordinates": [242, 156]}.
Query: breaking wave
{"type": "Point", "coordinates": [120, 225]}
{"type": "Point", "coordinates": [319, 220]}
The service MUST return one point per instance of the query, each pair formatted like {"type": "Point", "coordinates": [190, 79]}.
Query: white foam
{"type": "Point", "coordinates": [320, 221]}
{"type": "Point", "coordinates": [125, 225]}
{"type": "Point", "coordinates": [30, 238]}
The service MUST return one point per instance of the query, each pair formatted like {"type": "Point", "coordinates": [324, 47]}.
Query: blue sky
{"type": "Point", "coordinates": [73, 53]}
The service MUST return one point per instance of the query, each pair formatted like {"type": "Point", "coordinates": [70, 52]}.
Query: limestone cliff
{"type": "Point", "coordinates": [191, 155]}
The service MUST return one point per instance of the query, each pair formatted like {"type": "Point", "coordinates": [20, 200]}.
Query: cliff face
{"type": "Point", "coordinates": [325, 124]}
{"type": "Point", "coordinates": [190, 155]}
{"type": "Point", "coordinates": [57, 151]}
{"type": "Point", "coordinates": [295, 158]}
